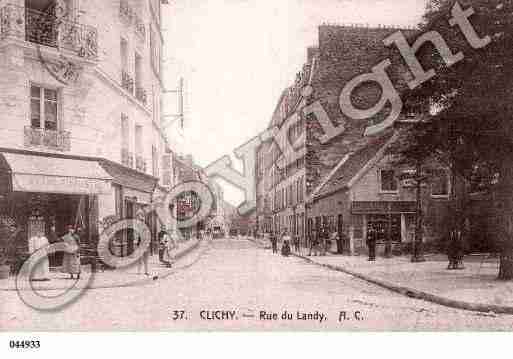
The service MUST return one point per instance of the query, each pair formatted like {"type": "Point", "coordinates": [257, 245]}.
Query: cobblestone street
{"type": "Point", "coordinates": [240, 279]}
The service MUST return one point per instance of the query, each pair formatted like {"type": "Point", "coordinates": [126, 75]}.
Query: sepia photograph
{"type": "Point", "coordinates": [318, 166]}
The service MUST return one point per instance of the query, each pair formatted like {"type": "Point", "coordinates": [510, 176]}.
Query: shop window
{"type": "Point", "coordinates": [388, 181]}
{"type": "Point", "coordinates": [43, 108]}
{"type": "Point", "coordinates": [440, 184]}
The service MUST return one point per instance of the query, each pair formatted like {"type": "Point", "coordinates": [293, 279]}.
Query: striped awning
{"type": "Point", "coordinates": [46, 174]}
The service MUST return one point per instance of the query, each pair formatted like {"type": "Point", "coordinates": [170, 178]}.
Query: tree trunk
{"type": "Point", "coordinates": [506, 243]}
{"type": "Point", "coordinates": [417, 242]}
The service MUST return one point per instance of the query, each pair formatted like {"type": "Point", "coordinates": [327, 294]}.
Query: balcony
{"type": "Point", "coordinates": [140, 94]}
{"type": "Point", "coordinates": [127, 158]}
{"type": "Point", "coordinates": [54, 140]}
{"type": "Point", "coordinates": [25, 24]}
{"type": "Point", "coordinates": [127, 82]}
{"type": "Point", "coordinates": [140, 164]}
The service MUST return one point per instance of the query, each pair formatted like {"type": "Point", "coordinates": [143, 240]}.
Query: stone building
{"type": "Point", "coordinates": [343, 182]}
{"type": "Point", "coordinates": [80, 98]}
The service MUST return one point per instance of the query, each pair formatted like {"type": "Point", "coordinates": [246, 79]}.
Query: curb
{"type": "Point", "coordinates": [162, 275]}
{"type": "Point", "coordinates": [417, 294]}
{"type": "Point", "coordinates": [411, 292]}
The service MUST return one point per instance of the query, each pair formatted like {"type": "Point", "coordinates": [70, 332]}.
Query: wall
{"type": "Point", "coordinates": [344, 53]}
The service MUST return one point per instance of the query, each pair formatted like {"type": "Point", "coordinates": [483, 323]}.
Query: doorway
{"type": "Point", "coordinates": [387, 227]}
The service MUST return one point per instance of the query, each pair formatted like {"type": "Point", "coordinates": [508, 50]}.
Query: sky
{"type": "Point", "coordinates": [237, 56]}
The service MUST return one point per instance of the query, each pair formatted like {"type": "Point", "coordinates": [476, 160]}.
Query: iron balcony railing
{"type": "Point", "coordinates": [49, 30]}
{"type": "Point", "coordinates": [40, 137]}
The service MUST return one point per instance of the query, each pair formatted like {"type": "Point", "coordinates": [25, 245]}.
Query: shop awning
{"type": "Point", "coordinates": [46, 174]}
{"type": "Point", "coordinates": [142, 184]}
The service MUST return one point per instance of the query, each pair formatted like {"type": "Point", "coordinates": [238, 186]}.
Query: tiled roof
{"type": "Point", "coordinates": [353, 165]}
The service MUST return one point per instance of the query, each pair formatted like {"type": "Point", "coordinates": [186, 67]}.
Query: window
{"type": "Point", "coordinates": [138, 139]}
{"type": "Point", "coordinates": [440, 184]}
{"type": "Point", "coordinates": [154, 161]}
{"type": "Point", "coordinates": [138, 71]}
{"type": "Point", "coordinates": [124, 54]}
{"type": "Point", "coordinates": [125, 132]}
{"type": "Point", "coordinates": [43, 108]}
{"type": "Point", "coordinates": [300, 163]}
{"type": "Point", "coordinates": [155, 51]}
{"type": "Point", "coordinates": [388, 181]}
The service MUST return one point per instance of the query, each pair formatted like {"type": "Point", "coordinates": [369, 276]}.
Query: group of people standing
{"type": "Point", "coordinates": [285, 239]}
{"type": "Point", "coordinates": [71, 258]}
{"type": "Point", "coordinates": [320, 242]}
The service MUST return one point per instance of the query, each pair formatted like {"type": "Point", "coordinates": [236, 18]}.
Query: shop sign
{"type": "Point", "coordinates": [55, 184]}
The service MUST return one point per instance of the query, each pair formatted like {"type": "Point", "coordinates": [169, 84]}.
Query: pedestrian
{"type": "Point", "coordinates": [266, 239]}
{"type": "Point", "coordinates": [314, 243]}
{"type": "Point", "coordinates": [371, 244]}
{"type": "Point", "coordinates": [162, 242]}
{"type": "Point", "coordinates": [455, 250]}
{"type": "Point", "coordinates": [143, 261]}
{"type": "Point", "coordinates": [297, 246]}
{"type": "Point", "coordinates": [285, 247]}
{"type": "Point", "coordinates": [337, 237]}
{"type": "Point", "coordinates": [169, 247]}
{"type": "Point", "coordinates": [71, 260]}
{"type": "Point", "coordinates": [274, 242]}
{"type": "Point", "coordinates": [41, 272]}
{"type": "Point", "coordinates": [324, 240]}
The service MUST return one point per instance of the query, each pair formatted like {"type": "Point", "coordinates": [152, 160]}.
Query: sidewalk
{"type": "Point", "coordinates": [475, 288]}
{"type": "Point", "coordinates": [127, 277]}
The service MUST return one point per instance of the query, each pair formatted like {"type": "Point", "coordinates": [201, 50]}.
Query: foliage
{"type": "Point", "coordinates": [472, 129]}
{"type": "Point", "coordinates": [8, 234]}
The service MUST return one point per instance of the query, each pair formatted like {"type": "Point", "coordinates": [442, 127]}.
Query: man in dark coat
{"type": "Point", "coordinates": [455, 250]}
{"type": "Point", "coordinates": [371, 244]}
{"type": "Point", "coordinates": [162, 244]}
{"type": "Point", "coordinates": [274, 242]}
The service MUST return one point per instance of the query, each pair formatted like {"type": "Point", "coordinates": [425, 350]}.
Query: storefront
{"type": "Point", "coordinates": [392, 222]}
{"type": "Point", "coordinates": [132, 193]}
{"type": "Point", "coordinates": [40, 193]}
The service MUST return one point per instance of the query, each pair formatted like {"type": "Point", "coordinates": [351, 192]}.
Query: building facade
{"type": "Point", "coordinates": [343, 183]}
{"type": "Point", "coordinates": [80, 98]}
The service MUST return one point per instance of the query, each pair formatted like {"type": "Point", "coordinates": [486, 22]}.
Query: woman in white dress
{"type": "Point", "coordinates": [41, 270]}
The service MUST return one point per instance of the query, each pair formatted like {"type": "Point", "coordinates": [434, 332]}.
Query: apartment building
{"type": "Point", "coordinates": [345, 183]}
{"type": "Point", "coordinates": [80, 124]}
